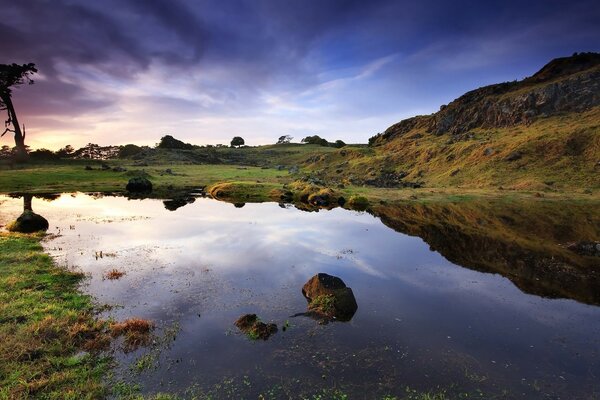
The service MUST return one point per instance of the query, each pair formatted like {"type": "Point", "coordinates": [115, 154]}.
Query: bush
{"type": "Point", "coordinates": [169, 142]}
{"type": "Point", "coordinates": [129, 150]}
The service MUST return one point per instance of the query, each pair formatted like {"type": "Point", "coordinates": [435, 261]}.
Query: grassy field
{"type": "Point", "coordinates": [45, 322]}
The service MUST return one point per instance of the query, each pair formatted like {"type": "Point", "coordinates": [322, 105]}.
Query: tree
{"type": "Point", "coordinates": [237, 141]}
{"type": "Point", "coordinates": [339, 144]}
{"type": "Point", "coordinates": [14, 75]}
{"type": "Point", "coordinates": [65, 151]}
{"type": "Point", "coordinates": [284, 139]}
{"type": "Point", "coordinates": [315, 140]}
{"type": "Point", "coordinates": [169, 142]}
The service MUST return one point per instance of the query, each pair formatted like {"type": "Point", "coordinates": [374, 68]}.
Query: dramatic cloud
{"type": "Point", "coordinates": [118, 71]}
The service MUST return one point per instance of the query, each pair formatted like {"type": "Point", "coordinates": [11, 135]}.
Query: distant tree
{"type": "Point", "coordinates": [237, 141]}
{"type": "Point", "coordinates": [14, 75]}
{"type": "Point", "coordinates": [315, 139]}
{"type": "Point", "coordinates": [284, 139]}
{"type": "Point", "coordinates": [129, 150]}
{"type": "Point", "coordinates": [43, 154]}
{"type": "Point", "coordinates": [169, 142]}
{"type": "Point", "coordinates": [339, 144]}
{"type": "Point", "coordinates": [65, 151]}
{"type": "Point", "coordinates": [6, 152]}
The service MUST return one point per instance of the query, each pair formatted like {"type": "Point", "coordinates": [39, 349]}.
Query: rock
{"type": "Point", "coordinates": [489, 151]}
{"type": "Point", "coordinates": [294, 169]}
{"type": "Point", "coordinates": [514, 156]}
{"type": "Point", "coordinates": [29, 222]}
{"type": "Point", "coordinates": [105, 167]}
{"type": "Point", "coordinates": [251, 325]}
{"type": "Point", "coordinates": [139, 184]}
{"type": "Point", "coordinates": [585, 248]}
{"type": "Point", "coordinates": [280, 167]}
{"type": "Point", "coordinates": [329, 296]}
{"type": "Point", "coordinates": [88, 168]}
{"type": "Point", "coordinates": [119, 169]}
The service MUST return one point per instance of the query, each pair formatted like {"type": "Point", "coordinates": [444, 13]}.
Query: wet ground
{"type": "Point", "coordinates": [423, 322]}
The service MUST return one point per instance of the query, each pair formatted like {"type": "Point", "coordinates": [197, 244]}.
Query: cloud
{"type": "Point", "coordinates": [203, 70]}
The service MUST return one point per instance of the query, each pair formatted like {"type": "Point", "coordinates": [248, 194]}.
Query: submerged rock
{"type": "Point", "coordinates": [139, 184]}
{"type": "Point", "coordinates": [329, 296]}
{"type": "Point", "coordinates": [29, 222]}
{"type": "Point", "coordinates": [251, 325]}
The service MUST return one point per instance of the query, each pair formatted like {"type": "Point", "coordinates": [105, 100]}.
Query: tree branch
{"type": "Point", "coordinates": [7, 130]}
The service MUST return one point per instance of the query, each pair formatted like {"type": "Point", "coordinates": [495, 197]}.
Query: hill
{"type": "Point", "coordinates": [539, 133]}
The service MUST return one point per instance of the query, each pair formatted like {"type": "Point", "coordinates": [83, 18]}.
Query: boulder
{"type": "Point", "coordinates": [139, 184]}
{"type": "Point", "coordinates": [585, 248]}
{"type": "Point", "coordinates": [29, 222]}
{"type": "Point", "coordinates": [514, 156]}
{"type": "Point", "coordinates": [329, 297]}
{"type": "Point", "coordinates": [251, 325]}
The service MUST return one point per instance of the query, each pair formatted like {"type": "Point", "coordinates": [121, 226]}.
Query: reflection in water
{"type": "Point", "coordinates": [178, 202]}
{"type": "Point", "coordinates": [424, 321]}
{"type": "Point", "coordinates": [28, 221]}
{"type": "Point", "coordinates": [525, 243]}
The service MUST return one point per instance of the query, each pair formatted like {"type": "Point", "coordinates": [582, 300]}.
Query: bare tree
{"type": "Point", "coordinates": [14, 75]}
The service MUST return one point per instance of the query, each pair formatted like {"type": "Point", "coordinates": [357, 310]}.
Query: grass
{"type": "Point", "coordinates": [114, 274]}
{"type": "Point", "coordinates": [559, 154]}
{"type": "Point", "coordinates": [45, 322]}
{"type": "Point", "coordinates": [136, 332]}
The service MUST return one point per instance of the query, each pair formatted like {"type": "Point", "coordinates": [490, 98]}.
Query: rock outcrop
{"type": "Point", "coordinates": [569, 84]}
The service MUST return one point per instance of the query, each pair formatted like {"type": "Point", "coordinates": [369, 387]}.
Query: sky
{"type": "Point", "coordinates": [132, 71]}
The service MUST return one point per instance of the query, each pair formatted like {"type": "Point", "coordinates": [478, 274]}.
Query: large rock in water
{"type": "Point", "coordinates": [29, 222]}
{"type": "Point", "coordinates": [139, 184]}
{"type": "Point", "coordinates": [329, 296]}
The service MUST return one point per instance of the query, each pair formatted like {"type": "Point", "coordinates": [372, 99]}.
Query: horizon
{"type": "Point", "coordinates": [134, 71]}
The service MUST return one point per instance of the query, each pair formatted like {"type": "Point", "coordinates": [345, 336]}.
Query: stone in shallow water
{"type": "Point", "coordinates": [29, 222]}
{"type": "Point", "coordinates": [251, 325]}
{"type": "Point", "coordinates": [329, 296]}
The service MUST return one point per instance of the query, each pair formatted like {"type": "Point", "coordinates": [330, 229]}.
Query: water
{"type": "Point", "coordinates": [530, 329]}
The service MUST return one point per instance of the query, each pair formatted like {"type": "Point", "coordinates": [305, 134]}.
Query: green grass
{"type": "Point", "coordinates": [71, 176]}
{"type": "Point", "coordinates": [44, 323]}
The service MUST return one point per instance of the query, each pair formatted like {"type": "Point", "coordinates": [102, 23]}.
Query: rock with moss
{"type": "Point", "coordinates": [252, 326]}
{"type": "Point", "coordinates": [139, 184]}
{"type": "Point", "coordinates": [329, 297]}
{"type": "Point", "coordinates": [29, 222]}
{"type": "Point", "coordinates": [360, 203]}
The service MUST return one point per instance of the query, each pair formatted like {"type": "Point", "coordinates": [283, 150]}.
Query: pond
{"type": "Point", "coordinates": [479, 299]}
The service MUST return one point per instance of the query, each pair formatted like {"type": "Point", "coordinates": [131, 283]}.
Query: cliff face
{"type": "Point", "coordinates": [570, 84]}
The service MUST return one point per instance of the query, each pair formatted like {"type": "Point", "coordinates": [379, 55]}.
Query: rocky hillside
{"type": "Point", "coordinates": [565, 85]}
{"type": "Point", "coordinates": [541, 133]}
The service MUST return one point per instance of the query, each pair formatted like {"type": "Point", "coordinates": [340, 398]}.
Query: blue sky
{"type": "Point", "coordinates": [131, 71]}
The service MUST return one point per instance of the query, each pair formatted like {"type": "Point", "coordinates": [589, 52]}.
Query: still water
{"type": "Point", "coordinates": [423, 322]}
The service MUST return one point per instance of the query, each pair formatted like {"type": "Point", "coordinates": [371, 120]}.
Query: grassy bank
{"type": "Point", "coordinates": [45, 322]}
{"type": "Point", "coordinates": [237, 183]}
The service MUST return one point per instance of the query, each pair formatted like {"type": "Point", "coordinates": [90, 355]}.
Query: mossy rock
{"type": "Point", "coordinates": [329, 296]}
{"type": "Point", "coordinates": [251, 325]}
{"type": "Point", "coordinates": [359, 203]}
{"type": "Point", "coordinates": [139, 184]}
{"type": "Point", "coordinates": [29, 222]}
